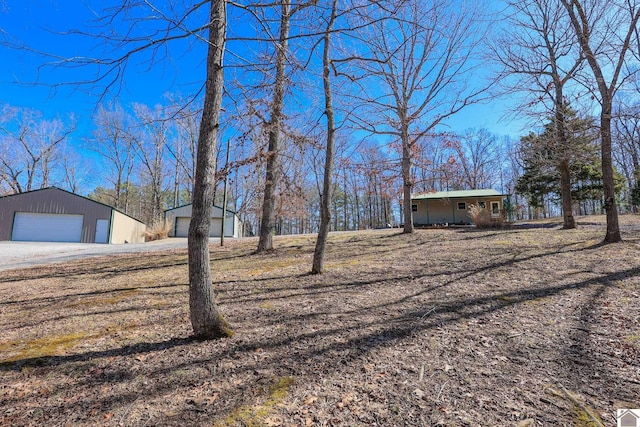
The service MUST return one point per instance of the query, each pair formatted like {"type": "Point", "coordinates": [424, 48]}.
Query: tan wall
{"type": "Point", "coordinates": [125, 229]}
{"type": "Point", "coordinates": [438, 211]}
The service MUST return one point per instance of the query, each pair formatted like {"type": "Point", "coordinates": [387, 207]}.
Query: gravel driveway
{"type": "Point", "coordinates": [29, 254]}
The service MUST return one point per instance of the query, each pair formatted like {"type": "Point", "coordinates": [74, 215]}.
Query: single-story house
{"type": "Point", "coordinates": [179, 219]}
{"type": "Point", "coordinates": [451, 207]}
{"type": "Point", "coordinates": [55, 215]}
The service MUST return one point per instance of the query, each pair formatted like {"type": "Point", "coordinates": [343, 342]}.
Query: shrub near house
{"type": "Point", "coordinates": [482, 218]}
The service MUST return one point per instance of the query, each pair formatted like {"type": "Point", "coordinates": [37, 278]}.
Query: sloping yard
{"type": "Point", "coordinates": [529, 326]}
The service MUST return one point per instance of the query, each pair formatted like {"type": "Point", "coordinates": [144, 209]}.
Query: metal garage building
{"type": "Point", "coordinates": [55, 215]}
{"type": "Point", "coordinates": [179, 219]}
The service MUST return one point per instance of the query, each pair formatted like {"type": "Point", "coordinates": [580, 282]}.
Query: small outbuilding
{"type": "Point", "coordinates": [56, 215]}
{"type": "Point", "coordinates": [179, 219]}
{"type": "Point", "coordinates": [452, 207]}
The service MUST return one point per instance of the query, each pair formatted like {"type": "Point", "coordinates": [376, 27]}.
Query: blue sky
{"type": "Point", "coordinates": [35, 24]}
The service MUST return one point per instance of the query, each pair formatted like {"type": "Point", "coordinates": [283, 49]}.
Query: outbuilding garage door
{"type": "Point", "coordinates": [41, 227]}
{"type": "Point", "coordinates": [182, 227]}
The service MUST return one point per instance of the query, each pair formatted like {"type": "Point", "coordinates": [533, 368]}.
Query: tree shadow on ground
{"type": "Point", "coordinates": [296, 349]}
{"type": "Point", "coordinates": [446, 311]}
{"type": "Point", "coordinates": [133, 349]}
{"type": "Point", "coordinates": [54, 299]}
{"type": "Point", "coordinates": [362, 337]}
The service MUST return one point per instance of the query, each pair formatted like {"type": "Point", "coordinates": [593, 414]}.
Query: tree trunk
{"type": "Point", "coordinates": [357, 197]}
{"type": "Point", "coordinates": [610, 205]}
{"type": "Point", "coordinates": [118, 191]}
{"type": "Point", "coordinates": [346, 201]}
{"type": "Point", "coordinates": [407, 184]}
{"type": "Point", "coordinates": [563, 166]}
{"type": "Point", "coordinates": [563, 140]}
{"type": "Point", "coordinates": [325, 199]}
{"type": "Point", "coordinates": [565, 191]}
{"type": "Point", "coordinates": [581, 25]}
{"type": "Point", "coordinates": [268, 206]}
{"type": "Point", "coordinates": [206, 319]}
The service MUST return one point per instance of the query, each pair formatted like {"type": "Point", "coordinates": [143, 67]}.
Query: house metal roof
{"type": "Point", "coordinates": [457, 194]}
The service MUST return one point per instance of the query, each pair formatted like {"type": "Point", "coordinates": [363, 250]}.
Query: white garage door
{"type": "Point", "coordinates": [40, 227]}
{"type": "Point", "coordinates": [102, 231]}
{"type": "Point", "coordinates": [182, 227]}
{"type": "Point", "coordinates": [216, 227]}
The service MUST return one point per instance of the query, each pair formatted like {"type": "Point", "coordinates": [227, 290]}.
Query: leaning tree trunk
{"type": "Point", "coordinates": [268, 205]}
{"type": "Point", "coordinates": [206, 319]}
{"type": "Point", "coordinates": [325, 199]}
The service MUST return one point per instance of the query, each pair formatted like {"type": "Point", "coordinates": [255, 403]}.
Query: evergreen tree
{"type": "Point", "coordinates": [635, 194]}
{"type": "Point", "coordinates": [544, 157]}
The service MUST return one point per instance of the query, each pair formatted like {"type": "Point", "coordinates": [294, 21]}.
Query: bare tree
{"type": "Point", "coordinates": [605, 30]}
{"type": "Point", "coordinates": [186, 120]}
{"type": "Point", "coordinates": [265, 243]}
{"type": "Point", "coordinates": [206, 319]}
{"type": "Point", "coordinates": [151, 142]}
{"type": "Point", "coordinates": [74, 172]}
{"type": "Point", "coordinates": [31, 145]}
{"type": "Point", "coordinates": [326, 196]}
{"type": "Point", "coordinates": [415, 73]}
{"type": "Point", "coordinates": [544, 57]}
{"type": "Point", "coordinates": [626, 141]}
{"type": "Point", "coordinates": [437, 163]}
{"type": "Point", "coordinates": [113, 141]}
{"type": "Point", "coordinates": [478, 152]}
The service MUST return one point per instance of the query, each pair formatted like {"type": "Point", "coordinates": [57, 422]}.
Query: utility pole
{"type": "Point", "coordinates": [224, 196]}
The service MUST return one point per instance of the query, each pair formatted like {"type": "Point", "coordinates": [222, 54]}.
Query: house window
{"type": "Point", "coordinates": [495, 209]}
{"type": "Point", "coordinates": [462, 206]}
{"type": "Point", "coordinates": [414, 208]}
{"type": "Point", "coordinates": [482, 205]}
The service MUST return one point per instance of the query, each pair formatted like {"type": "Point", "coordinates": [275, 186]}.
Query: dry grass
{"type": "Point", "coordinates": [158, 230]}
{"type": "Point", "coordinates": [442, 327]}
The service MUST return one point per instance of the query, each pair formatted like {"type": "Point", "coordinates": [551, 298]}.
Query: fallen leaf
{"type": "Point", "coordinates": [273, 421]}
{"type": "Point", "coordinates": [309, 400]}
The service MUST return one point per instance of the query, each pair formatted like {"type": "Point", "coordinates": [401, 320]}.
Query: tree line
{"type": "Point", "coordinates": [144, 158]}
{"type": "Point", "coordinates": [145, 165]}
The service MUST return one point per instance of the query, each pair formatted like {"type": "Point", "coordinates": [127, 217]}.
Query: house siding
{"type": "Point", "coordinates": [445, 211]}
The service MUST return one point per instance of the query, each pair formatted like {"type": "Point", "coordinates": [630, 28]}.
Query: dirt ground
{"type": "Point", "coordinates": [529, 326]}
